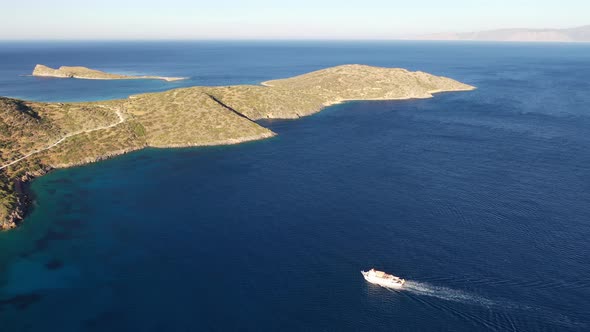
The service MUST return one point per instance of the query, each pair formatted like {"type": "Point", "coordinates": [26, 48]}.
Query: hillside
{"type": "Point", "coordinates": [37, 137]}
{"type": "Point", "coordinates": [309, 93]}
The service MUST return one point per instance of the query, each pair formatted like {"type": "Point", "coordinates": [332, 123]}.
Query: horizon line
{"type": "Point", "coordinates": [288, 40]}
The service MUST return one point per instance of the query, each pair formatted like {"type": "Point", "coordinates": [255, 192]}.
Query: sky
{"type": "Point", "coordinates": [286, 19]}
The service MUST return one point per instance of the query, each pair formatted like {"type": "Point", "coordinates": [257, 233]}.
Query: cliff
{"type": "Point", "coordinates": [37, 137]}
{"type": "Point", "coordinates": [91, 74]}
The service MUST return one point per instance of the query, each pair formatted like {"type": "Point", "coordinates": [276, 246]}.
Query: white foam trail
{"type": "Point", "coordinates": [449, 294]}
{"type": "Point", "coordinates": [444, 293]}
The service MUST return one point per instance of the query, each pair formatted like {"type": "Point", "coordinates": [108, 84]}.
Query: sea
{"type": "Point", "coordinates": [479, 199]}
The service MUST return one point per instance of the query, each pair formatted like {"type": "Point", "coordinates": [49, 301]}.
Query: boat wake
{"type": "Point", "coordinates": [449, 294]}
{"type": "Point", "coordinates": [455, 295]}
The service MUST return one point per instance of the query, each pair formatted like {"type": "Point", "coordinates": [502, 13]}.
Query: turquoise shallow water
{"type": "Point", "coordinates": [479, 199]}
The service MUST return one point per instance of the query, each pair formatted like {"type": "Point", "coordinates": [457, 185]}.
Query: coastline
{"type": "Point", "coordinates": [26, 196]}
{"type": "Point", "coordinates": [432, 93]}
{"type": "Point", "coordinates": [233, 110]}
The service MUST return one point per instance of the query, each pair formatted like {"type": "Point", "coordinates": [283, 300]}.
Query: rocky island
{"type": "Point", "coordinates": [36, 137]}
{"type": "Point", "coordinates": [92, 74]}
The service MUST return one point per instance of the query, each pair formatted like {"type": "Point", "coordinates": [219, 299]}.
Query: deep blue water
{"type": "Point", "coordinates": [480, 199]}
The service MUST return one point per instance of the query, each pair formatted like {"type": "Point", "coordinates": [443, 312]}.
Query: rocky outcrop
{"type": "Point", "coordinates": [23, 199]}
{"type": "Point", "coordinates": [92, 74]}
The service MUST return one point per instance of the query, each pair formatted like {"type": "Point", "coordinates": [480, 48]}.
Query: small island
{"type": "Point", "coordinates": [37, 137]}
{"type": "Point", "coordinates": [92, 74]}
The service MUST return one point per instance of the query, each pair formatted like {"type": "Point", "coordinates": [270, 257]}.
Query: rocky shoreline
{"type": "Point", "coordinates": [25, 196]}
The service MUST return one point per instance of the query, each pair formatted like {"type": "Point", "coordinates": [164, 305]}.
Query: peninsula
{"type": "Point", "coordinates": [92, 74]}
{"type": "Point", "coordinates": [36, 137]}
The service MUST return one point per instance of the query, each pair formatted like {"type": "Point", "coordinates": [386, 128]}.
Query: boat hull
{"type": "Point", "coordinates": [387, 283]}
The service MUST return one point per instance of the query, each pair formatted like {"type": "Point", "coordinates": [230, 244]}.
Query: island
{"type": "Point", "coordinates": [37, 137]}
{"type": "Point", "coordinates": [92, 74]}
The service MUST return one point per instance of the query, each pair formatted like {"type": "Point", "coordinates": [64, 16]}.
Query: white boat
{"type": "Point", "coordinates": [383, 279]}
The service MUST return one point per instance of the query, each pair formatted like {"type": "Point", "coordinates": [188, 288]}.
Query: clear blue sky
{"type": "Point", "coordinates": [265, 19]}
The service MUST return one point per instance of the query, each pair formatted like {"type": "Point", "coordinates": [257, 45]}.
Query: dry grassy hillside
{"type": "Point", "coordinates": [23, 127]}
{"type": "Point", "coordinates": [259, 102]}
{"type": "Point", "coordinates": [26, 127]}
{"type": "Point", "coordinates": [360, 82]}
{"type": "Point", "coordinates": [190, 117]}
{"type": "Point", "coordinates": [309, 93]}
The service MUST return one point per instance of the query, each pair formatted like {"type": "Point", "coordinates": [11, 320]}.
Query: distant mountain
{"type": "Point", "coordinates": [579, 34]}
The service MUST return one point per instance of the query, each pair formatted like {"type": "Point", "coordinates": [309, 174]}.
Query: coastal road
{"type": "Point", "coordinates": [121, 120]}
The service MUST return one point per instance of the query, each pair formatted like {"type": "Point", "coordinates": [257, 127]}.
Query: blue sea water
{"type": "Point", "coordinates": [480, 199]}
